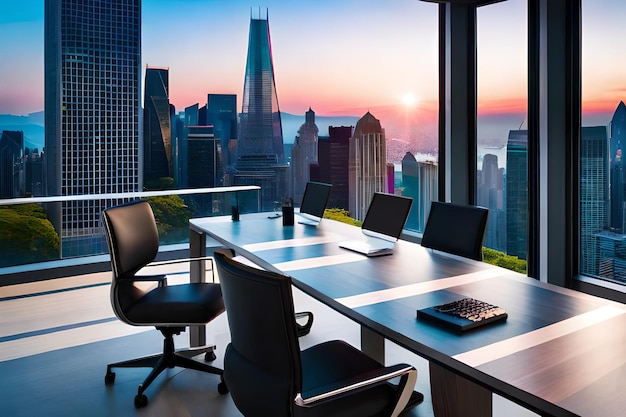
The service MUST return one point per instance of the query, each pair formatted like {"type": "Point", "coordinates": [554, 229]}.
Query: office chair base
{"type": "Point", "coordinates": [168, 359]}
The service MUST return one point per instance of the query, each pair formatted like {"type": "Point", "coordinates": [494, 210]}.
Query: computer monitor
{"type": "Point", "coordinates": [386, 216]}
{"type": "Point", "coordinates": [314, 202]}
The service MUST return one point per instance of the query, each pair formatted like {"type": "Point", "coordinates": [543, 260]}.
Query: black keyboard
{"type": "Point", "coordinates": [463, 314]}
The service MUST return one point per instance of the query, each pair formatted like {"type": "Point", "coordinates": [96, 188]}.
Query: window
{"type": "Point", "coordinates": [602, 180]}
{"type": "Point", "coordinates": [502, 124]}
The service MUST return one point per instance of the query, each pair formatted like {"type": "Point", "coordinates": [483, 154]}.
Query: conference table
{"type": "Point", "coordinates": [560, 352]}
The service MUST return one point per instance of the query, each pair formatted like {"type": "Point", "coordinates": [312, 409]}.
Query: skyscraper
{"type": "Point", "coordinates": [157, 130]}
{"type": "Point", "coordinates": [616, 163]}
{"type": "Point", "coordinates": [260, 151]}
{"type": "Point", "coordinates": [222, 114]}
{"type": "Point", "coordinates": [490, 193]}
{"type": "Point", "coordinates": [594, 189]}
{"type": "Point", "coordinates": [332, 166]}
{"type": "Point", "coordinates": [92, 112]}
{"type": "Point", "coordinates": [261, 126]}
{"type": "Point", "coordinates": [303, 154]}
{"type": "Point", "coordinates": [367, 164]}
{"type": "Point", "coordinates": [517, 193]}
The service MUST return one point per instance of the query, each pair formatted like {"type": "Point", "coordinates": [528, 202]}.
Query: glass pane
{"type": "Point", "coordinates": [502, 126]}
{"type": "Point", "coordinates": [192, 97]}
{"type": "Point", "coordinates": [602, 182]}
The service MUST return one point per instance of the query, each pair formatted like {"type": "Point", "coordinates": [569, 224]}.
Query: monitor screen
{"type": "Point", "coordinates": [315, 199]}
{"type": "Point", "coordinates": [387, 214]}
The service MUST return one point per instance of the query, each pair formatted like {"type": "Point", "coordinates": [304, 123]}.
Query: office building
{"type": "Point", "coordinates": [616, 163]}
{"type": "Point", "coordinates": [594, 190]}
{"type": "Point", "coordinates": [490, 194]}
{"type": "Point", "coordinates": [410, 184]}
{"type": "Point", "coordinates": [222, 115]}
{"type": "Point", "coordinates": [517, 193]}
{"type": "Point", "coordinates": [157, 130]}
{"type": "Point", "coordinates": [11, 149]}
{"type": "Point", "coordinates": [204, 166]}
{"type": "Point", "coordinates": [260, 152]}
{"type": "Point", "coordinates": [332, 166]}
{"type": "Point", "coordinates": [367, 164]}
{"type": "Point", "coordinates": [303, 154]}
{"type": "Point", "coordinates": [92, 112]}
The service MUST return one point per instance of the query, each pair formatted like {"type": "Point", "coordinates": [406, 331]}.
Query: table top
{"type": "Point", "coordinates": [560, 351]}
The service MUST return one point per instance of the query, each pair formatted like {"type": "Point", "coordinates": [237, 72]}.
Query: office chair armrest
{"type": "Point", "coordinates": [320, 394]}
{"type": "Point", "coordinates": [186, 260]}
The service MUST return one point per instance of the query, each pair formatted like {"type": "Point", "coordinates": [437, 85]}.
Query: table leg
{"type": "Point", "coordinates": [197, 249]}
{"type": "Point", "coordinates": [455, 396]}
{"type": "Point", "coordinates": [373, 344]}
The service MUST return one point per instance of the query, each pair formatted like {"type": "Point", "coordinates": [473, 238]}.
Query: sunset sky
{"type": "Point", "coordinates": [339, 57]}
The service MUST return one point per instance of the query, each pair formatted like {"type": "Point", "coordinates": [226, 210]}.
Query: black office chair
{"type": "Point", "coordinates": [456, 229]}
{"type": "Point", "coordinates": [133, 242]}
{"type": "Point", "coordinates": [268, 375]}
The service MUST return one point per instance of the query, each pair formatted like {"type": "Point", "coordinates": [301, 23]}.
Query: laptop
{"type": "Point", "coordinates": [382, 226]}
{"type": "Point", "coordinates": [314, 202]}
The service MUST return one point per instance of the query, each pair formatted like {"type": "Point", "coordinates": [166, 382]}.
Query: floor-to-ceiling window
{"type": "Point", "coordinates": [502, 124]}
{"type": "Point", "coordinates": [603, 135]}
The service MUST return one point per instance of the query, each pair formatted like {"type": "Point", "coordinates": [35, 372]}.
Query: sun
{"type": "Point", "coordinates": [409, 100]}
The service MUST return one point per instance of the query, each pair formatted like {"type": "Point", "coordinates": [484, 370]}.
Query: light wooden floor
{"type": "Point", "coordinates": [56, 338]}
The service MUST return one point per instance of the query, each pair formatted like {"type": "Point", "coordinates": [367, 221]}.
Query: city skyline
{"type": "Point", "coordinates": [404, 44]}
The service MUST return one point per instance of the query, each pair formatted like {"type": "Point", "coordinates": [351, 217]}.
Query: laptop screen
{"type": "Point", "coordinates": [387, 214]}
{"type": "Point", "coordinates": [314, 200]}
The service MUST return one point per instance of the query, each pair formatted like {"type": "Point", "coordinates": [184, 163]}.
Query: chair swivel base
{"type": "Point", "coordinates": [168, 359]}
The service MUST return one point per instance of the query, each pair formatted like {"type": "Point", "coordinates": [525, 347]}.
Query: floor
{"type": "Point", "coordinates": [56, 338]}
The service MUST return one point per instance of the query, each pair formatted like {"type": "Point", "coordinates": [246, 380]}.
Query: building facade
{"type": "Point", "coordinates": [92, 112]}
{"type": "Point", "coordinates": [332, 167]}
{"type": "Point", "coordinates": [303, 154]}
{"type": "Point", "coordinates": [157, 128]}
{"type": "Point", "coordinates": [517, 193]}
{"type": "Point", "coordinates": [260, 151]}
{"type": "Point", "coordinates": [367, 164]}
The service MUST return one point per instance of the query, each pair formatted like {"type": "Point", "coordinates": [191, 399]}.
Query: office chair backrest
{"type": "Point", "coordinates": [262, 367]}
{"type": "Point", "coordinates": [133, 242]}
{"type": "Point", "coordinates": [132, 237]}
{"type": "Point", "coordinates": [456, 229]}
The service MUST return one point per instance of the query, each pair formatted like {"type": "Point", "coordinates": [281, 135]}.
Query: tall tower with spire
{"type": "Point", "coordinates": [260, 153]}
{"type": "Point", "coordinates": [261, 127]}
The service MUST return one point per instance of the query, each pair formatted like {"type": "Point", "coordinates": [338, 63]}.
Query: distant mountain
{"type": "Point", "coordinates": [31, 125]}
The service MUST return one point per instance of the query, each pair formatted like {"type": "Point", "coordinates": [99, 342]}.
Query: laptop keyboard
{"type": "Point", "coordinates": [464, 314]}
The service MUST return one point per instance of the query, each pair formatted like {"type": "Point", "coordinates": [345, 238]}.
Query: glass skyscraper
{"type": "Point", "coordinates": [157, 129]}
{"type": "Point", "coordinates": [260, 152]}
{"type": "Point", "coordinates": [517, 194]}
{"type": "Point", "coordinates": [261, 127]}
{"type": "Point", "coordinates": [92, 112]}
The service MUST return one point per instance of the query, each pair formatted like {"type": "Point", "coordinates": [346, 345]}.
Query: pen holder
{"type": "Point", "coordinates": [234, 210]}
{"type": "Point", "coordinates": [288, 216]}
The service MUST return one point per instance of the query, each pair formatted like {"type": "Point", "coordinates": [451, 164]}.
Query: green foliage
{"type": "Point", "coordinates": [26, 235]}
{"type": "Point", "coordinates": [171, 214]}
{"type": "Point", "coordinates": [341, 215]}
{"type": "Point", "coordinates": [503, 260]}
{"type": "Point", "coordinates": [163, 183]}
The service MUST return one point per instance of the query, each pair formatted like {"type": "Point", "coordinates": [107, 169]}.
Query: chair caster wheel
{"type": "Point", "coordinates": [109, 378]}
{"type": "Point", "coordinates": [222, 388]}
{"type": "Point", "coordinates": [141, 400]}
{"type": "Point", "coordinates": [210, 356]}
